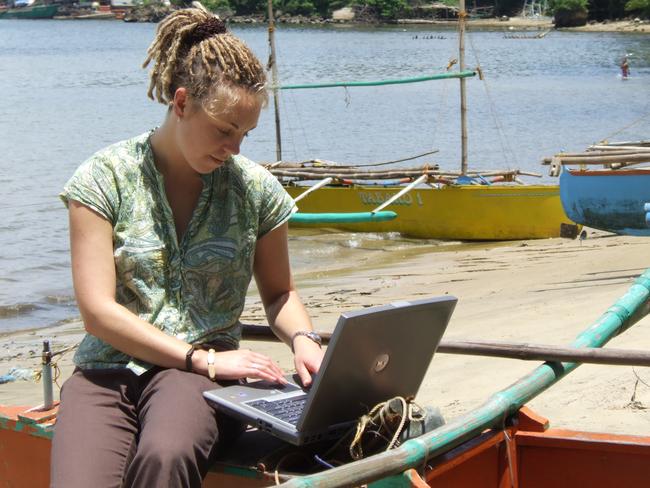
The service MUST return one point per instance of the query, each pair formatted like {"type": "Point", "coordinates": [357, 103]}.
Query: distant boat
{"type": "Point", "coordinates": [91, 16]}
{"type": "Point", "coordinates": [30, 12]}
{"type": "Point", "coordinates": [611, 198]}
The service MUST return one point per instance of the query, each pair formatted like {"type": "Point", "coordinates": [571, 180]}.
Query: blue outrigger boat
{"type": "Point", "coordinates": [610, 198]}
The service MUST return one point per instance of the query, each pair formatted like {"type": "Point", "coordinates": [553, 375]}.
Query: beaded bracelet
{"type": "Point", "coordinates": [212, 371]}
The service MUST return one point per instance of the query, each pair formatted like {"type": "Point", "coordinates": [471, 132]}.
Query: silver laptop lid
{"type": "Point", "coordinates": [379, 353]}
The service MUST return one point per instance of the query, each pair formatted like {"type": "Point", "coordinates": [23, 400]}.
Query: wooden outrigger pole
{"type": "Point", "coordinates": [499, 349]}
{"type": "Point", "coordinates": [274, 74]}
{"type": "Point", "coordinates": [463, 96]}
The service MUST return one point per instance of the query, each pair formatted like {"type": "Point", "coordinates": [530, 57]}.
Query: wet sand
{"type": "Point", "coordinates": [539, 291]}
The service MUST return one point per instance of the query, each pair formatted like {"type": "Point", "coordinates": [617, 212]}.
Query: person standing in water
{"type": "Point", "coordinates": [167, 230]}
{"type": "Point", "coordinates": [625, 68]}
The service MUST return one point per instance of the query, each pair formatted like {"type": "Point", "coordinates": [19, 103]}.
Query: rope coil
{"type": "Point", "coordinates": [381, 420]}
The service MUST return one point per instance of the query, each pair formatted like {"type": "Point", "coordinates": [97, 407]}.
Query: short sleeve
{"type": "Point", "coordinates": [94, 185]}
{"type": "Point", "coordinates": [277, 206]}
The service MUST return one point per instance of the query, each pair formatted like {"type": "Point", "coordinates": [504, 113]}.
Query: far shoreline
{"type": "Point", "coordinates": [505, 24]}
{"type": "Point", "coordinates": [508, 25]}
{"type": "Point", "coordinates": [520, 23]}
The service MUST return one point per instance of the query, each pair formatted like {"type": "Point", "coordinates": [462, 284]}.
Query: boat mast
{"type": "Point", "coordinates": [274, 75]}
{"type": "Point", "coordinates": [463, 96]}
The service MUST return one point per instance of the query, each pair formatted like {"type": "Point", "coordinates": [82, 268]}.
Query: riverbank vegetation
{"type": "Point", "coordinates": [567, 13]}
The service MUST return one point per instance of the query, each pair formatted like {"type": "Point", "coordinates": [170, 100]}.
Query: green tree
{"type": "Point", "coordinates": [569, 13]}
{"type": "Point", "coordinates": [295, 7]}
{"type": "Point", "coordinates": [640, 7]}
{"type": "Point", "coordinates": [568, 5]}
{"type": "Point", "coordinates": [606, 9]}
{"type": "Point", "coordinates": [221, 7]}
{"type": "Point", "coordinates": [247, 7]}
{"type": "Point", "coordinates": [384, 9]}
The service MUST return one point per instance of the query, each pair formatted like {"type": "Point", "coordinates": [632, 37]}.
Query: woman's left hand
{"type": "Point", "coordinates": [307, 358]}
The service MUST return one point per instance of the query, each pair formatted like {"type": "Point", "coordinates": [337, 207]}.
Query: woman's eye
{"type": "Point", "coordinates": [224, 132]}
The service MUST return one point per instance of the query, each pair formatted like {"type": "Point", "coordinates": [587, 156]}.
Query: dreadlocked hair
{"type": "Point", "coordinates": [193, 49]}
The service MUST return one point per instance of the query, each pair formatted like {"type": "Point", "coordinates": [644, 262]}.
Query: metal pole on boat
{"type": "Point", "coordinates": [46, 376]}
{"type": "Point", "coordinates": [463, 97]}
{"type": "Point", "coordinates": [274, 75]}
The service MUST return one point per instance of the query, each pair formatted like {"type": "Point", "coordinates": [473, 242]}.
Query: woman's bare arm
{"type": "Point", "coordinates": [284, 310]}
{"type": "Point", "coordinates": [93, 273]}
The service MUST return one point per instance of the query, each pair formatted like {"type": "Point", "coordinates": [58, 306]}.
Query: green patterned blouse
{"type": "Point", "coordinates": [194, 290]}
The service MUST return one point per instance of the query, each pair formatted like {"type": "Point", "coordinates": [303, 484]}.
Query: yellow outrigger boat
{"type": "Point", "coordinates": [462, 212]}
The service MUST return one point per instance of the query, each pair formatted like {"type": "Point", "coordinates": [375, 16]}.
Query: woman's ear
{"type": "Point", "coordinates": [180, 103]}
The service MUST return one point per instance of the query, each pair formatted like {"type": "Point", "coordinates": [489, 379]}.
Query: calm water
{"type": "Point", "coordinates": [71, 88]}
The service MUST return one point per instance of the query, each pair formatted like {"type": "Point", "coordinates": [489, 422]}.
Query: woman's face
{"type": "Point", "coordinates": [205, 140]}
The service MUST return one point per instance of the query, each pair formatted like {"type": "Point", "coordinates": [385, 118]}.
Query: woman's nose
{"type": "Point", "coordinates": [233, 145]}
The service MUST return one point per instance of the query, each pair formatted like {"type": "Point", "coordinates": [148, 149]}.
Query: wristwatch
{"type": "Point", "coordinates": [309, 334]}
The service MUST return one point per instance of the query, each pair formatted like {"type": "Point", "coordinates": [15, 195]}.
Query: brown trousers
{"type": "Point", "coordinates": [117, 429]}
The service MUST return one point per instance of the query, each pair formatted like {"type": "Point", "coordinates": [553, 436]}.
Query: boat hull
{"type": "Point", "coordinates": [610, 200]}
{"type": "Point", "coordinates": [527, 454]}
{"type": "Point", "coordinates": [463, 212]}
{"type": "Point", "coordinates": [32, 12]}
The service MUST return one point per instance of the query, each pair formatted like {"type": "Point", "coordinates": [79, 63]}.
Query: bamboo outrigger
{"type": "Point", "coordinates": [500, 444]}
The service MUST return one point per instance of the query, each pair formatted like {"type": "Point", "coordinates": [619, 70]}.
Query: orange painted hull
{"type": "Point", "coordinates": [528, 455]}
{"type": "Point", "coordinates": [549, 459]}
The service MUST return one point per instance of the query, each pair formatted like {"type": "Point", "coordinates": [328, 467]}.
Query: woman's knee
{"type": "Point", "coordinates": [166, 464]}
{"type": "Point", "coordinates": [165, 458]}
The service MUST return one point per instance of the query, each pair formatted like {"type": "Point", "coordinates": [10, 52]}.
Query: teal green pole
{"type": "Point", "coordinates": [418, 79]}
{"type": "Point", "coordinates": [341, 218]}
{"type": "Point", "coordinates": [627, 310]}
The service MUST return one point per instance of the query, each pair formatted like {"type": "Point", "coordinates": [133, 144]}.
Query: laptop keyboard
{"type": "Point", "coordinates": [287, 410]}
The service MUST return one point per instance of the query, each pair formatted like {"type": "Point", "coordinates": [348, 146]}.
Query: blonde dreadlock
{"type": "Point", "coordinates": [193, 49]}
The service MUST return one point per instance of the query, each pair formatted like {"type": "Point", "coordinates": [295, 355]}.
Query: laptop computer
{"type": "Point", "coordinates": [373, 355]}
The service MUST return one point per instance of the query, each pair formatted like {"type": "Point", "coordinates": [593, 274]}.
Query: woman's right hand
{"type": "Point", "coordinates": [240, 363]}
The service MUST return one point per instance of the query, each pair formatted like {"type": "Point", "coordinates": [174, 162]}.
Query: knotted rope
{"type": "Point", "coordinates": [382, 416]}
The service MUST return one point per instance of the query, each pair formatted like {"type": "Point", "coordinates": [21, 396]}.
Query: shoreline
{"type": "Point", "coordinates": [539, 291]}
{"type": "Point", "coordinates": [495, 23]}
{"type": "Point", "coordinates": [520, 23]}
{"type": "Point", "coordinates": [511, 24]}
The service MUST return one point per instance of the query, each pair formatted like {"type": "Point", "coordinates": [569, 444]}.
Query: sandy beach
{"type": "Point", "coordinates": [542, 291]}
{"type": "Point", "coordinates": [533, 24]}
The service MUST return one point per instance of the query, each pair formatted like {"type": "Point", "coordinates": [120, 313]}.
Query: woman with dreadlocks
{"type": "Point", "coordinates": [167, 230]}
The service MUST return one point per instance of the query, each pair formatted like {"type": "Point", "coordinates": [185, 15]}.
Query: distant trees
{"type": "Point", "coordinates": [569, 13]}
{"type": "Point", "coordinates": [606, 9]}
{"type": "Point", "coordinates": [382, 9]}
{"type": "Point", "coordinates": [388, 10]}
{"type": "Point", "coordinates": [322, 8]}
{"type": "Point", "coordinates": [640, 7]}
{"type": "Point", "coordinates": [600, 9]}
